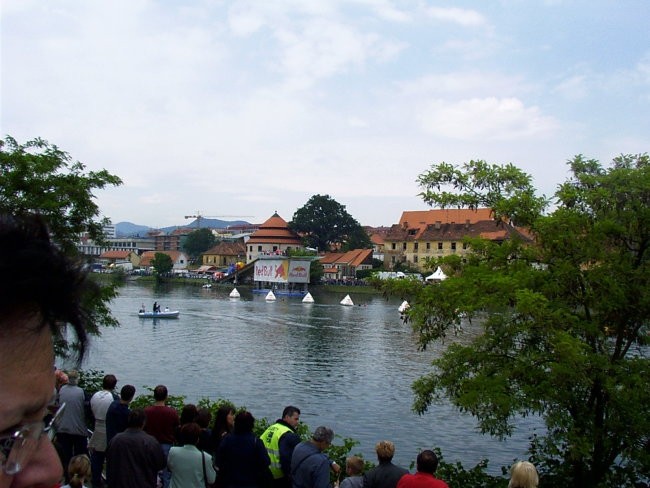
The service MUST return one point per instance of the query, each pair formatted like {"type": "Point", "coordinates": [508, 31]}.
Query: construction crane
{"type": "Point", "coordinates": [199, 216]}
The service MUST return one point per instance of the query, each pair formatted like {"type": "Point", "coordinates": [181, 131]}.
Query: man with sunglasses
{"type": "Point", "coordinates": [41, 301]}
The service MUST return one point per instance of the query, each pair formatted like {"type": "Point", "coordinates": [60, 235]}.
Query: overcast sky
{"type": "Point", "coordinates": [247, 107]}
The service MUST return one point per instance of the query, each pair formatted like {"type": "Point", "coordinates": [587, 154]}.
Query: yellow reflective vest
{"type": "Point", "coordinates": [271, 440]}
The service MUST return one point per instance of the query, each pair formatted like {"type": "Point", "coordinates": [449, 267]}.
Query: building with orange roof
{"type": "Point", "coordinates": [225, 253]}
{"type": "Point", "coordinates": [340, 266]}
{"type": "Point", "coordinates": [179, 258]}
{"type": "Point", "coordinates": [273, 237]}
{"type": "Point", "coordinates": [437, 233]}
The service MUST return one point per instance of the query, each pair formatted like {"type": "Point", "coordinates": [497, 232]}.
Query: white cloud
{"type": "Point", "coordinates": [464, 17]}
{"type": "Point", "coordinates": [484, 118]}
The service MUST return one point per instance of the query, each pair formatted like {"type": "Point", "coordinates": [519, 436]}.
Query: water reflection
{"type": "Point", "coordinates": [347, 367]}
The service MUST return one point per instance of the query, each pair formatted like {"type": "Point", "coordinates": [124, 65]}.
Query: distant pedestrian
{"type": "Point", "coordinates": [72, 432]}
{"type": "Point", "coordinates": [310, 467]}
{"type": "Point", "coordinates": [117, 415]}
{"type": "Point", "coordinates": [523, 475]}
{"type": "Point", "coordinates": [134, 457]}
{"type": "Point", "coordinates": [162, 422]}
{"type": "Point", "coordinates": [427, 464]}
{"type": "Point", "coordinates": [280, 440]}
{"type": "Point", "coordinates": [354, 469]}
{"type": "Point", "coordinates": [385, 474]}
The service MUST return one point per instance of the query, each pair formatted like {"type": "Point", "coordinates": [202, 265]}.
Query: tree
{"type": "Point", "coordinates": [162, 264]}
{"type": "Point", "coordinates": [324, 222]}
{"type": "Point", "coordinates": [37, 177]}
{"type": "Point", "coordinates": [565, 321]}
{"type": "Point", "coordinates": [199, 241]}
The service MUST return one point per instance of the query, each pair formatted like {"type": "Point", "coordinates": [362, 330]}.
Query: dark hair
{"type": "Point", "coordinates": [203, 417]}
{"type": "Point", "coordinates": [244, 422]}
{"type": "Point", "coordinates": [221, 427]}
{"type": "Point", "coordinates": [189, 434]}
{"type": "Point", "coordinates": [289, 411]}
{"type": "Point", "coordinates": [160, 393]}
{"type": "Point", "coordinates": [40, 281]}
{"type": "Point", "coordinates": [127, 392]}
{"type": "Point", "coordinates": [137, 418]}
{"type": "Point", "coordinates": [427, 461]}
{"type": "Point", "coordinates": [109, 382]}
{"type": "Point", "coordinates": [188, 413]}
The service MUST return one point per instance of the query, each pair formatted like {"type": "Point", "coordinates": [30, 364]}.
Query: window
{"type": "Point", "coordinates": [404, 246]}
{"type": "Point", "coordinates": [464, 245]}
{"type": "Point", "coordinates": [440, 246]}
{"type": "Point", "coordinates": [259, 248]}
{"type": "Point", "coordinates": [453, 246]}
{"type": "Point", "coordinates": [428, 246]}
{"type": "Point", "coordinates": [393, 246]}
{"type": "Point", "coordinates": [415, 246]}
{"type": "Point", "coordinates": [415, 259]}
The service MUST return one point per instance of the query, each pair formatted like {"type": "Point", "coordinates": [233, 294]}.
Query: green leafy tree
{"type": "Point", "coordinates": [162, 264]}
{"type": "Point", "coordinates": [199, 241]}
{"type": "Point", "coordinates": [324, 222]}
{"type": "Point", "coordinates": [565, 321]}
{"type": "Point", "coordinates": [38, 177]}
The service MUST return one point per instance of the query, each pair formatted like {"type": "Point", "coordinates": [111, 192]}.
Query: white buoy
{"type": "Point", "coordinates": [270, 297]}
{"type": "Point", "coordinates": [308, 298]}
{"type": "Point", "coordinates": [234, 293]}
{"type": "Point", "coordinates": [402, 308]}
{"type": "Point", "coordinates": [347, 301]}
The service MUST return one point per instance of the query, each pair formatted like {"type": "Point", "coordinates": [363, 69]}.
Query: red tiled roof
{"type": "Point", "coordinates": [227, 249]}
{"type": "Point", "coordinates": [458, 215]}
{"type": "Point", "coordinates": [275, 231]}
{"type": "Point", "coordinates": [355, 257]}
{"type": "Point", "coordinates": [148, 256]}
{"type": "Point", "coordinates": [115, 254]}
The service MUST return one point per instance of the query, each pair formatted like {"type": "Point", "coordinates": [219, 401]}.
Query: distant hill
{"type": "Point", "coordinates": [125, 229]}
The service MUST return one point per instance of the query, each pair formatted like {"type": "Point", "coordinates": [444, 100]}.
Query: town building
{"type": "Point", "coordinates": [441, 232]}
{"type": "Point", "coordinates": [344, 265]}
{"type": "Point", "coordinates": [225, 253]}
{"type": "Point", "coordinates": [179, 259]}
{"type": "Point", "coordinates": [273, 237]}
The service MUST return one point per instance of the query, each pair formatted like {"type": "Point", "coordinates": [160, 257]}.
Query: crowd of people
{"type": "Point", "coordinates": [45, 302]}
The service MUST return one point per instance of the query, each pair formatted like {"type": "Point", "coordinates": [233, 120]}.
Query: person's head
{"type": "Point", "coordinates": [244, 422]}
{"type": "Point", "coordinates": [136, 419]}
{"type": "Point", "coordinates": [203, 418]}
{"type": "Point", "coordinates": [322, 437]}
{"type": "Point", "coordinates": [188, 413]}
{"type": "Point", "coordinates": [160, 393]}
{"type": "Point", "coordinates": [189, 434]}
{"type": "Point", "coordinates": [73, 377]}
{"type": "Point", "coordinates": [224, 421]}
{"type": "Point", "coordinates": [42, 298]}
{"type": "Point", "coordinates": [127, 393]}
{"type": "Point", "coordinates": [385, 451]}
{"type": "Point", "coordinates": [354, 466]}
{"type": "Point", "coordinates": [291, 415]}
{"type": "Point", "coordinates": [109, 382]}
{"type": "Point", "coordinates": [523, 475]}
{"type": "Point", "coordinates": [78, 470]}
{"type": "Point", "coordinates": [427, 462]}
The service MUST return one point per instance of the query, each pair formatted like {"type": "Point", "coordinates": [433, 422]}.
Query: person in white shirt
{"type": "Point", "coordinates": [99, 404]}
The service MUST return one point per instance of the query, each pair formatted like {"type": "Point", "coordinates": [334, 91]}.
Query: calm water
{"type": "Point", "coordinates": [346, 367]}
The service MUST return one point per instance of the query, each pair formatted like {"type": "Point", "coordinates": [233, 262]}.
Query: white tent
{"type": "Point", "coordinates": [438, 275]}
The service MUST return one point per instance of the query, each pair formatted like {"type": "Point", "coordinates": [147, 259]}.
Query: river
{"type": "Point", "coordinates": [349, 368]}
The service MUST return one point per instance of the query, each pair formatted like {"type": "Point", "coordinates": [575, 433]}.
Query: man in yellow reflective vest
{"type": "Point", "coordinates": [280, 439]}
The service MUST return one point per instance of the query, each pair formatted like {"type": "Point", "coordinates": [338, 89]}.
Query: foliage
{"type": "Point", "coordinates": [199, 241]}
{"type": "Point", "coordinates": [324, 223]}
{"type": "Point", "coordinates": [162, 264]}
{"type": "Point", "coordinates": [37, 177]}
{"type": "Point", "coordinates": [358, 238]}
{"type": "Point", "coordinates": [564, 321]}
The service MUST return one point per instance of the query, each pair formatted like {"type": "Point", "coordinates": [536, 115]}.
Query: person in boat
{"type": "Point", "coordinates": [42, 295]}
{"type": "Point", "coordinates": [142, 309]}
{"type": "Point", "coordinates": [156, 307]}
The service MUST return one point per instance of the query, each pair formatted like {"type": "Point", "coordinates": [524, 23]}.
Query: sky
{"type": "Point", "coordinates": [244, 108]}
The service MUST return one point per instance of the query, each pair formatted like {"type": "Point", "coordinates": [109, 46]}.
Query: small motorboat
{"type": "Point", "coordinates": [165, 314]}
